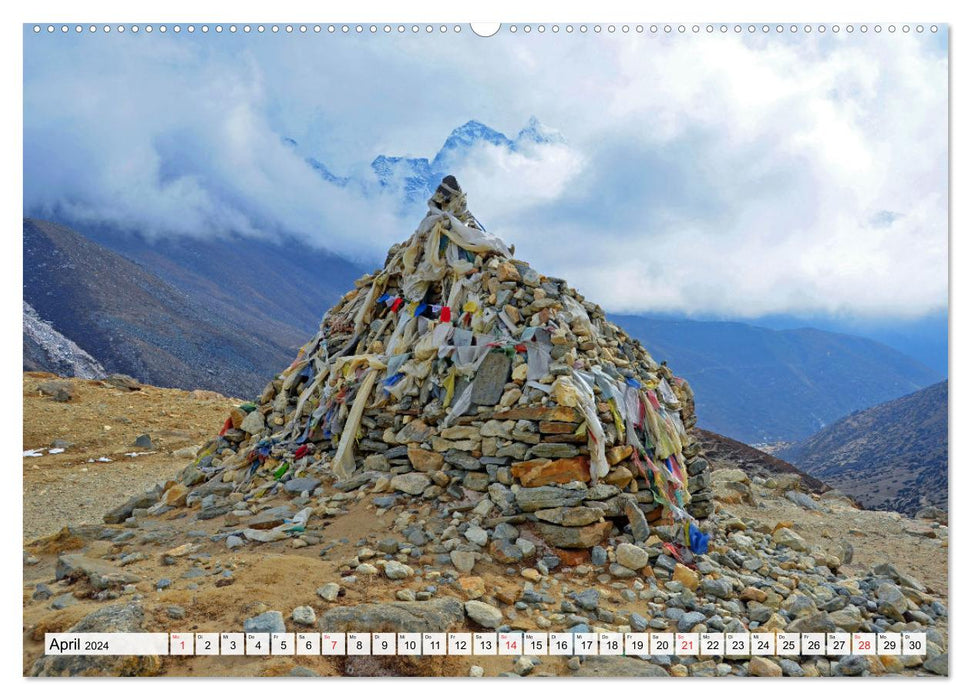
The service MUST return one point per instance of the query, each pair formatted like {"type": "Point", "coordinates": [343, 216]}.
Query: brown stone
{"type": "Point", "coordinates": [618, 453]}
{"type": "Point", "coordinates": [472, 586]}
{"type": "Point", "coordinates": [540, 413]}
{"type": "Point", "coordinates": [570, 517]}
{"type": "Point", "coordinates": [557, 427]}
{"type": "Point", "coordinates": [507, 272]}
{"type": "Point", "coordinates": [687, 577]}
{"type": "Point", "coordinates": [176, 495]}
{"type": "Point", "coordinates": [656, 516]}
{"type": "Point", "coordinates": [572, 557]}
{"type": "Point", "coordinates": [752, 593]}
{"type": "Point", "coordinates": [425, 460]}
{"type": "Point", "coordinates": [619, 477]}
{"type": "Point", "coordinates": [760, 666]}
{"type": "Point", "coordinates": [236, 414]}
{"type": "Point", "coordinates": [540, 472]}
{"type": "Point", "coordinates": [573, 537]}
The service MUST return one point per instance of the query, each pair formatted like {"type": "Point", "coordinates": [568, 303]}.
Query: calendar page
{"type": "Point", "coordinates": [611, 349]}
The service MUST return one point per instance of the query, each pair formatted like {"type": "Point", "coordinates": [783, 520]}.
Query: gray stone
{"type": "Point", "coordinates": [718, 587]}
{"type": "Point", "coordinates": [301, 484]}
{"type": "Point", "coordinates": [598, 556]}
{"type": "Point", "coordinates": [588, 599]}
{"type": "Point", "coordinates": [526, 547]}
{"type": "Point", "coordinates": [546, 497]}
{"type": "Point", "coordinates": [396, 571]}
{"type": "Point", "coordinates": [483, 614]}
{"type": "Point", "coordinates": [787, 538]}
{"type": "Point", "coordinates": [490, 379]}
{"type": "Point", "coordinates": [570, 517]}
{"type": "Point", "coordinates": [689, 620]}
{"type": "Point", "coordinates": [463, 561]}
{"type": "Point", "coordinates": [476, 535]}
{"type": "Point", "coordinates": [271, 621]}
{"type": "Point", "coordinates": [462, 460]}
{"type": "Point", "coordinates": [253, 423]}
{"type": "Point", "coordinates": [638, 522]}
{"type": "Point", "coordinates": [329, 592]}
{"type": "Point", "coordinates": [145, 442]}
{"type": "Point", "coordinates": [631, 556]}
{"type": "Point", "coordinates": [124, 511]}
{"type": "Point", "coordinates": [304, 615]}
{"type": "Point", "coordinates": [851, 666]}
{"type": "Point", "coordinates": [524, 664]}
{"type": "Point", "coordinates": [553, 450]}
{"type": "Point", "coordinates": [63, 601]}
{"type": "Point", "coordinates": [891, 602]}
{"type": "Point", "coordinates": [937, 664]}
{"type": "Point", "coordinates": [412, 483]}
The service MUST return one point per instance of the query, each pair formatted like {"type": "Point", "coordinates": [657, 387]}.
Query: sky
{"type": "Point", "coordinates": [738, 176]}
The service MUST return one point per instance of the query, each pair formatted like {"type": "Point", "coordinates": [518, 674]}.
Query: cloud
{"type": "Point", "coordinates": [703, 174]}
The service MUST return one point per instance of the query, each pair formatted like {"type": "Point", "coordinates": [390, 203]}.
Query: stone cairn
{"type": "Point", "coordinates": [460, 375]}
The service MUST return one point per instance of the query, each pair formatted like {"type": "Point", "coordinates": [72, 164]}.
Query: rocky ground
{"type": "Point", "coordinates": [375, 559]}
{"type": "Point", "coordinates": [91, 426]}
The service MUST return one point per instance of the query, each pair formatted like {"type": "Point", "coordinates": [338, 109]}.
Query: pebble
{"type": "Point", "coordinates": [483, 614]}
{"type": "Point", "coordinates": [271, 621]}
{"type": "Point", "coordinates": [304, 615]}
{"type": "Point", "coordinates": [397, 571]}
{"type": "Point", "coordinates": [329, 592]}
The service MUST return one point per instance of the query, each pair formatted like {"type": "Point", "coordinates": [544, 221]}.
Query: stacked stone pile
{"type": "Point", "coordinates": [460, 375]}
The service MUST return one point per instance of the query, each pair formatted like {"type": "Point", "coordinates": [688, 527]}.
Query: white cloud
{"type": "Point", "coordinates": [704, 174]}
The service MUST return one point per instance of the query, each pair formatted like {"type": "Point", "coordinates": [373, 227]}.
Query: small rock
{"type": "Point", "coordinates": [397, 571]}
{"type": "Point", "coordinates": [271, 621]}
{"type": "Point", "coordinates": [631, 556]}
{"type": "Point", "coordinates": [144, 441]}
{"type": "Point", "coordinates": [761, 666]}
{"type": "Point", "coordinates": [329, 592]}
{"type": "Point", "coordinates": [304, 615]}
{"type": "Point", "coordinates": [463, 561]}
{"type": "Point", "coordinates": [484, 614]}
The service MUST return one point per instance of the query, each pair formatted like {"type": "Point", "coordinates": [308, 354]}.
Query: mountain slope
{"type": "Point", "coordinates": [133, 322]}
{"type": "Point", "coordinates": [46, 350]}
{"type": "Point", "coordinates": [890, 457]}
{"type": "Point", "coordinates": [271, 289]}
{"type": "Point", "coordinates": [762, 386]}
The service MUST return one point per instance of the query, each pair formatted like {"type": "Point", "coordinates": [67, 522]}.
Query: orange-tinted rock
{"type": "Point", "coordinates": [425, 460]}
{"type": "Point", "coordinates": [572, 557]}
{"type": "Point", "coordinates": [687, 577]}
{"type": "Point", "coordinates": [557, 427]}
{"type": "Point", "coordinates": [540, 472]}
{"type": "Point", "coordinates": [540, 413]}
{"type": "Point", "coordinates": [619, 477]}
{"type": "Point", "coordinates": [471, 586]}
{"type": "Point", "coordinates": [618, 453]}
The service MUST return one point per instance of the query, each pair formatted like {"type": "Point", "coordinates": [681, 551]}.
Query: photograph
{"type": "Point", "coordinates": [450, 350]}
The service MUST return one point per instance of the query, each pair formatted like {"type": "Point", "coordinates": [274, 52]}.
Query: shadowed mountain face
{"type": "Point", "coordinates": [763, 386]}
{"type": "Point", "coordinates": [889, 457]}
{"type": "Point", "coordinates": [134, 322]}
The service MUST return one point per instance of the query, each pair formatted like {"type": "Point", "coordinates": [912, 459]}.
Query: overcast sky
{"type": "Point", "coordinates": [730, 175]}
